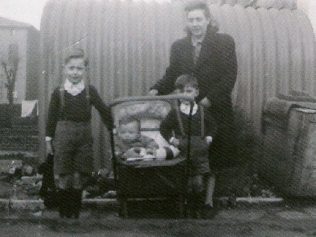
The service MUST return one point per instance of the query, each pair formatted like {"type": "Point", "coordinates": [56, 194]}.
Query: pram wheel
{"type": "Point", "coordinates": [123, 212]}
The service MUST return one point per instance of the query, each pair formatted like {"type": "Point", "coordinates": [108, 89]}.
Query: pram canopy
{"type": "Point", "coordinates": [150, 111]}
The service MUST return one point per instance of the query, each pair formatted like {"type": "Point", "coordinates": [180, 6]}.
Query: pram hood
{"type": "Point", "coordinates": [149, 110]}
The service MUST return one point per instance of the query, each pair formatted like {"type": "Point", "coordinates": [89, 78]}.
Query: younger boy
{"type": "Point", "coordinates": [69, 130]}
{"type": "Point", "coordinates": [175, 129]}
{"type": "Point", "coordinates": [130, 142]}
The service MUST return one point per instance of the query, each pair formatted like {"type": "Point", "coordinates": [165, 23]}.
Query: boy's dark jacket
{"type": "Point", "coordinates": [170, 126]}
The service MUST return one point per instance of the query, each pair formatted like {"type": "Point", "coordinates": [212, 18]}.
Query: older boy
{"type": "Point", "coordinates": [69, 130]}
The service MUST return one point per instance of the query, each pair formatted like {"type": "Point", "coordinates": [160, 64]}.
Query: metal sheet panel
{"type": "Point", "coordinates": [268, 4]}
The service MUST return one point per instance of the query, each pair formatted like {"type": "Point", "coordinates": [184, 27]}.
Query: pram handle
{"type": "Point", "coordinates": [151, 98]}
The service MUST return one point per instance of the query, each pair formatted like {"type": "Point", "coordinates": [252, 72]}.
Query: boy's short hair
{"type": "Point", "coordinates": [75, 53]}
{"type": "Point", "coordinates": [129, 119]}
{"type": "Point", "coordinates": [186, 80]}
{"type": "Point", "coordinates": [198, 5]}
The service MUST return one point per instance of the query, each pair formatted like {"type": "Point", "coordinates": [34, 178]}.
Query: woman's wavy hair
{"type": "Point", "coordinates": [201, 5]}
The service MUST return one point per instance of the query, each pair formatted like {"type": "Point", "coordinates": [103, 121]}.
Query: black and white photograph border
{"type": "Point", "coordinates": [157, 118]}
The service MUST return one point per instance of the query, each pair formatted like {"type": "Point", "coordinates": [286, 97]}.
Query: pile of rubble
{"type": "Point", "coordinates": [24, 182]}
{"type": "Point", "coordinates": [20, 182]}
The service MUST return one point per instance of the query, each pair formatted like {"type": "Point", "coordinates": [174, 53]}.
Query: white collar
{"type": "Point", "coordinates": [74, 89]}
{"type": "Point", "coordinates": [185, 108]}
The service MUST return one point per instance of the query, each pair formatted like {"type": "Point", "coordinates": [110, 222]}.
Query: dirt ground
{"type": "Point", "coordinates": [294, 221]}
{"type": "Point", "coordinates": [290, 219]}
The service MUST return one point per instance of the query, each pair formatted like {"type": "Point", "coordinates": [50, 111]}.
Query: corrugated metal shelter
{"type": "Point", "coordinates": [128, 47]}
{"type": "Point", "coordinates": [268, 4]}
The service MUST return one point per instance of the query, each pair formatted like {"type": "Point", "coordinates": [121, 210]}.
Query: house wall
{"type": "Point", "coordinates": [14, 36]}
{"type": "Point", "coordinates": [32, 64]}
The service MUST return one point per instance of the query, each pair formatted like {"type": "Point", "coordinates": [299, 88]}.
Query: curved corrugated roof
{"type": "Point", "coordinates": [277, 4]}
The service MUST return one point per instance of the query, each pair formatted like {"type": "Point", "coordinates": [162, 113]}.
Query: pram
{"type": "Point", "coordinates": [148, 178]}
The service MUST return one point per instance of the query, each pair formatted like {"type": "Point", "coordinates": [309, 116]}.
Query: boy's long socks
{"type": "Point", "coordinates": [76, 202]}
{"type": "Point", "coordinates": [64, 203]}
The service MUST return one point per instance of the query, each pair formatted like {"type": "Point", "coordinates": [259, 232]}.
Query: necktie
{"type": "Point", "coordinates": [197, 50]}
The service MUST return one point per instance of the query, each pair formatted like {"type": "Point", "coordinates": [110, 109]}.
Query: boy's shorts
{"type": "Point", "coordinates": [73, 148]}
{"type": "Point", "coordinates": [199, 155]}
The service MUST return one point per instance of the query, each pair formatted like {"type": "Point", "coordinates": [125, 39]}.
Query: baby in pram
{"type": "Point", "coordinates": [130, 143]}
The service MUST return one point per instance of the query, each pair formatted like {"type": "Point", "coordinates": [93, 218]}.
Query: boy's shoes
{"type": "Point", "coordinates": [208, 212]}
{"type": "Point", "coordinates": [193, 213]}
{"type": "Point", "coordinates": [76, 203]}
{"type": "Point", "coordinates": [63, 207]}
{"type": "Point", "coordinates": [69, 203]}
{"type": "Point", "coordinates": [197, 214]}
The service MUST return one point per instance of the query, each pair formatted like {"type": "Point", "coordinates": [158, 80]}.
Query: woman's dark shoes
{"type": "Point", "coordinates": [208, 212]}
